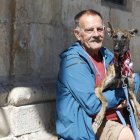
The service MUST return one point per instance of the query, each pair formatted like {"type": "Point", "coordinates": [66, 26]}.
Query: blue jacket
{"type": "Point", "coordinates": [76, 101]}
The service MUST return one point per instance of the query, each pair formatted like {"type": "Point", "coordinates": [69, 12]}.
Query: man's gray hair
{"type": "Point", "coordinates": [88, 12]}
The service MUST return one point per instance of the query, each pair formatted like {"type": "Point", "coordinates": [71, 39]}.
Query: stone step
{"type": "Point", "coordinates": [41, 135]}
{"type": "Point", "coordinates": [27, 119]}
{"type": "Point", "coordinates": [23, 94]}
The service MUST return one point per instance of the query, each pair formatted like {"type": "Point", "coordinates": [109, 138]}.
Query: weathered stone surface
{"type": "Point", "coordinates": [27, 119]}
{"type": "Point", "coordinates": [29, 95]}
{"type": "Point", "coordinates": [41, 135]}
{"type": "Point", "coordinates": [9, 138]}
{"type": "Point", "coordinates": [4, 49]}
{"type": "Point", "coordinates": [5, 114]}
{"type": "Point", "coordinates": [39, 11]}
{"type": "Point", "coordinates": [32, 118]}
{"type": "Point", "coordinates": [4, 92]}
{"type": "Point", "coordinates": [5, 10]}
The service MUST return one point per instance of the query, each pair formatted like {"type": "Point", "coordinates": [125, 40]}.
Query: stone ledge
{"type": "Point", "coordinates": [25, 95]}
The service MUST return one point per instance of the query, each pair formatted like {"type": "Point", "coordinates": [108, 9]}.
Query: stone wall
{"type": "Point", "coordinates": [33, 33]}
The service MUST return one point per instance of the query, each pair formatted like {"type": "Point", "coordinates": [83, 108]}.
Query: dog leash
{"type": "Point", "coordinates": [121, 117]}
{"type": "Point", "coordinates": [131, 115]}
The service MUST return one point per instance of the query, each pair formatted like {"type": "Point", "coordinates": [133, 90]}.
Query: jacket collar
{"type": "Point", "coordinates": [106, 54]}
{"type": "Point", "coordinates": [77, 49]}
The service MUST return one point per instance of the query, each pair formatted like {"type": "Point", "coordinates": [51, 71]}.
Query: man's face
{"type": "Point", "coordinates": [90, 32]}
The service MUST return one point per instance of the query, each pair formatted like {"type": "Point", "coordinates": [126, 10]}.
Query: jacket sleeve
{"type": "Point", "coordinates": [137, 83]}
{"type": "Point", "coordinates": [137, 86]}
{"type": "Point", "coordinates": [79, 79]}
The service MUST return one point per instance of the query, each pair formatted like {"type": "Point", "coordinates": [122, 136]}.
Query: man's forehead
{"type": "Point", "coordinates": [90, 20]}
{"type": "Point", "coordinates": [88, 16]}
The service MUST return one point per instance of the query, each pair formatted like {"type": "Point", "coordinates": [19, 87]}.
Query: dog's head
{"type": "Point", "coordinates": [121, 38]}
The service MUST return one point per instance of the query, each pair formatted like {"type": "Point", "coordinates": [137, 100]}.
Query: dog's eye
{"type": "Point", "coordinates": [123, 37]}
{"type": "Point", "coordinates": [115, 36]}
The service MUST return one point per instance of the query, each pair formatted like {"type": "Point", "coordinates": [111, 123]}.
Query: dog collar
{"type": "Point", "coordinates": [124, 62]}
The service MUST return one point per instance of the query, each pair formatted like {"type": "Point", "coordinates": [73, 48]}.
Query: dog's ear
{"type": "Point", "coordinates": [133, 32]}
{"type": "Point", "coordinates": [109, 29]}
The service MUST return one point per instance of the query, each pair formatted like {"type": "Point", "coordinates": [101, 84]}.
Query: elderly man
{"type": "Point", "coordinates": [83, 67]}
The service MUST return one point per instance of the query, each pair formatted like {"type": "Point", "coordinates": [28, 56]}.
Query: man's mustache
{"type": "Point", "coordinates": [98, 40]}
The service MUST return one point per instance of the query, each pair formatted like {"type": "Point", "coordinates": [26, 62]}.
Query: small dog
{"type": "Point", "coordinates": [119, 72]}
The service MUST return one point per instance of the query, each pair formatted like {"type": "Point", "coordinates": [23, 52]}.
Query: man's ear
{"type": "Point", "coordinates": [109, 29]}
{"type": "Point", "coordinates": [133, 32]}
{"type": "Point", "coordinates": [77, 34]}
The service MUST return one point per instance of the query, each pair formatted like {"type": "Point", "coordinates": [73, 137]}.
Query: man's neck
{"type": "Point", "coordinates": [96, 56]}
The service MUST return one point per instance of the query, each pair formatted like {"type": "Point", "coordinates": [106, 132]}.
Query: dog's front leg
{"type": "Point", "coordinates": [100, 116]}
{"type": "Point", "coordinates": [99, 93]}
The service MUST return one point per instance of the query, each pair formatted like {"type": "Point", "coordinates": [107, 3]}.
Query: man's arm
{"type": "Point", "coordinates": [137, 86]}
{"type": "Point", "coordinates": [81, 82]}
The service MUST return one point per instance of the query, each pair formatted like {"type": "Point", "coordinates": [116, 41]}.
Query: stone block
{"type": "Point", "coordinates": [5, 113]}
{"type": "Point", "coordinates": [40, 11]}
{"type": "Point", "coordinates": [32, 118]}
{"type": "Point", "coordinates": [9, 138]}
{"type": "Point", "coordinates": [4, 48]}
{"type": "Point", "coordinates": [27, 119]}
{"type": "Point", "coordinates": [42, 135]}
